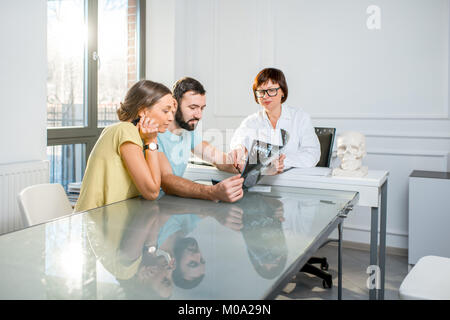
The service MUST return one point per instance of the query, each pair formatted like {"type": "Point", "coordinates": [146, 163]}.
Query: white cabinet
{"type": "Point", "coordinates": [429, 215]}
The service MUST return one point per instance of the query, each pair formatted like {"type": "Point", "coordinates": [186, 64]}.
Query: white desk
{"type": "Point", "coordinates": [372, 193]}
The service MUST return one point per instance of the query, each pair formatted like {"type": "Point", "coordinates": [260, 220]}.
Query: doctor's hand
{"type": "Point", "coordinates": [276, 167]}
{"type": "Point", "coordinates": [277, 207]}
{"type": "Point", "coordinates": [237, 157]}
{"type": "Point", "coordinates": [228, 190]}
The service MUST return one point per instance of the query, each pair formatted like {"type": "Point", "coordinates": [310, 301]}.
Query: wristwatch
{"type": "Point", "coordinates": [151, 146]}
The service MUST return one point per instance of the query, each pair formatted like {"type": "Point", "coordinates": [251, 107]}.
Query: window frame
{"type": "Point", "coordinates": [89, 134]}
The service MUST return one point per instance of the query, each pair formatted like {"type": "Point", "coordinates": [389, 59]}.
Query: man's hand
{"type": "Point", "coordinates": [231, 219]}
{"type": "Point", "coordinates": [228, 190]}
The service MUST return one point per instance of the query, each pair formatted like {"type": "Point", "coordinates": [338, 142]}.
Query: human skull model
{"type": "Point", "coordinates": [351, 149]}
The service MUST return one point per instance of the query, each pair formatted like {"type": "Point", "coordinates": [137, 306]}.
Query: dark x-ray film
{"type": "Point", "coordinates": [261, 155]}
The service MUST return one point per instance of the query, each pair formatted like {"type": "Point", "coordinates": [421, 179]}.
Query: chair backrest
{"type": "Point", "coordinates": [326, 139]}
{"type": "Point", "coordinates": [43, 202]}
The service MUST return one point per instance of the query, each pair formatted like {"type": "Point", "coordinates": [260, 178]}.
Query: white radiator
{"type": "Point", "coordinates": [13, 178]}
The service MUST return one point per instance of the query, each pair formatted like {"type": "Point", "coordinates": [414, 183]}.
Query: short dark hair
{"type": "Point", "coordinates": [184, 85]}
{"type": "Point", "coordinates": [178, 279]}
{"type": "Point", "coordinates": [276, 75]}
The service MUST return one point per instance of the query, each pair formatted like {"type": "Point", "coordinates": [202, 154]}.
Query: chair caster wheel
{"type": "Point", "coordinates": [327, 284]}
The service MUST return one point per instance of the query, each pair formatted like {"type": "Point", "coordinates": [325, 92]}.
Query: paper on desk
{"type": "Point", "coordinates": [316, 171]}
{"type": "Point", "coordinates": [260, 189]}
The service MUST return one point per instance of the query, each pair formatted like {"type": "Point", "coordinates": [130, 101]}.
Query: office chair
{"type": "Point", "coordinates": [326, 139]}
{"type": "Point", "coordinates": [43, 202]}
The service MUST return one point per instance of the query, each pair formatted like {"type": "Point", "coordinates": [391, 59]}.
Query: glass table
{"type": "Point", "coordinates": [174, 248]}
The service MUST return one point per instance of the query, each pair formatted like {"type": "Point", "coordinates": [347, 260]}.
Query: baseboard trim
{"type": "Point", "coordinates": [366, 247]}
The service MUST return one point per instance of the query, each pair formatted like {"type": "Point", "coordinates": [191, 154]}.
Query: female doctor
{"type": "Point", "coordinates": [302, 149]}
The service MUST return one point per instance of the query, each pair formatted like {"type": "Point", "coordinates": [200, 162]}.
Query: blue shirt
{"type": "Point", "coordinates": [177, 148]}
{"type": "Point", "coordinates": [177, 222]}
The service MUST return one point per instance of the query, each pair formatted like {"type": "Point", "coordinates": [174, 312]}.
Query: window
{"type": "Point", "coordinates": [95, 53]}
{"type": "Point", "coordinates": [67, 162]}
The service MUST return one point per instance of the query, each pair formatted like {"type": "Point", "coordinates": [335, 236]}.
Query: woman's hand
{"type": "Point", "coordinates": [276, 167]}
{"type": "Point", "coordinates": [280, 163]}
{"type": "Point", "coordinates": [148, 129]}
{"type": "Point", "coordinates": [277, 207]}
{"type": "Point", "coordinates": [237, 157]}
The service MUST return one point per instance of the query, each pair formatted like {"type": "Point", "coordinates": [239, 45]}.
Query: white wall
{"type": "Point", "coordinates": [23, 77]}
{"type": "Point", "coordinates": [160, 41]}
{"type": "Point", "coordinates": [390, 83]}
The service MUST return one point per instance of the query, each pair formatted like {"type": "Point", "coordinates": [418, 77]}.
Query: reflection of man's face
{"type": "Point", "coordinates": [191, 263]}
{"type": "Point", "coordinates": [190, 110]}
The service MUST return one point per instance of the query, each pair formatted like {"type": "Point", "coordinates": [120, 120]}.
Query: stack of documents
{"type": "Point", "coordinates": [73, 192]}
{"type": "Point", "coordinates": [197, 160]}
{"type": "Point", "coordinates": [316, 171]}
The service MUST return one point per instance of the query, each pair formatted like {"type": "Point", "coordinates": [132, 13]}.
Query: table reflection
{"type": "Point", "coordinates": [172, 248]}
{"type": "Point", "coordinates": [148, 248]}
{"type": "Point", "coordinates": [263, 234]}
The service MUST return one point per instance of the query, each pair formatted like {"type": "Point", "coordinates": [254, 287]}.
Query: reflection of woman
{"type": "Point", "coordinates": [118, 168]}
{"type": "Point", "coordinates": [271, 91]}
{"type": "Point", "coordinates": [120, 236]}
{"type": "Point", "coordinates": [143, 243]}
{"type": "Point", "coordinates": [263, 234]}
{"type": "Point", "coordinates": [300, 216]}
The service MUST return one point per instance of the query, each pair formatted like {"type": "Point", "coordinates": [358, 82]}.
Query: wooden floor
{"type": "Point", "coordinates": [355, 263]}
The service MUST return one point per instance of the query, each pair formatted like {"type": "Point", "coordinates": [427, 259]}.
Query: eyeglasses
{"type": "Point", "coordinates": [272, 92]}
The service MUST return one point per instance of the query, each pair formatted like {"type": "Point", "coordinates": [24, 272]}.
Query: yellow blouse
{"type": "Point", "coordinates": [106, 179]}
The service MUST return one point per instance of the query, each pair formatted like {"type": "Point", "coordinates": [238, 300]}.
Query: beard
{"type": "Point", "coordinates": [185, 124]}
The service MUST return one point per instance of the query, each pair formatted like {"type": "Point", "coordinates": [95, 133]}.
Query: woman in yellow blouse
{"type": "Point", "coordinates": [117, 168]}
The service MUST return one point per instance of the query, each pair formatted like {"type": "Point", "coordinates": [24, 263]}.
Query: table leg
{"type": "Point", "coordinates": [373, 247]}
{"type": "Point", "coordinates": [340, 229]}
{"type": "Point", "coordinates": [382, 254]}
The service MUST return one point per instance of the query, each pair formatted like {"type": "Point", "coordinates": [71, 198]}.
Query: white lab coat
{"type": "Point", "coordinates": [303, 147]}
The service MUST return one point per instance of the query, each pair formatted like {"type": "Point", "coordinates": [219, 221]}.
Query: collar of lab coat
{"type": "Point", "coordinates": [285, 115]}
